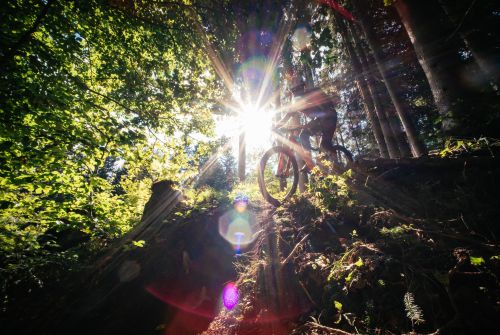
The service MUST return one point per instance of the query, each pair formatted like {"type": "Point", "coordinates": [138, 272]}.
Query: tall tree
{"type": "Point", "coordinates": [360, 77]}
{"type": "Point", "coordinates": [476, 24]}
{"type": "Point", "coordinates": [366, 25]}
{"type": "Point", "coordinates": [90, 90]}
{"type": "Point", "coordinates": [374, 90]}
{"type": "Point", "coordinates": [439, 53]}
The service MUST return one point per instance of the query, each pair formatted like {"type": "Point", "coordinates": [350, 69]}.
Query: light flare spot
{"type": "Point", "coordinates": [238, 228]}
{"type": "Point", "coordinates": [230, 296]}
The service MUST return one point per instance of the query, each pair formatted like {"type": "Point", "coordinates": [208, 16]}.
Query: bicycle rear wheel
{"type": "Point", "coordinates": [278, 175]}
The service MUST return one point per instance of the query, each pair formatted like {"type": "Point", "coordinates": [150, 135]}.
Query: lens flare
{"type": "Point", "coordinates": [230, 296]}
{"type": "Point", "coordinates": [239, 236]}
{"type": "Point", "coordinates": [259, 80]}
{"type": "Point", "coordinates": [240, 206]}
{"type": "Point", "coordinates": [238, 226]}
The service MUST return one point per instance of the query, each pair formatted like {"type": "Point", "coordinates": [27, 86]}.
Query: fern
{"type": "Point", "coordinates": [413, 311]}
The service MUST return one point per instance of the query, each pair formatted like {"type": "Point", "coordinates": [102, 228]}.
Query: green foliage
{"type": "Point", "coordinates": [455, 147]}
{"type": "Point", "coordinates": [250, 188]}
{"type": "Point", "coordinates": [395, 232]}
{"type": "Point", "coordinates": [203, 198]}
{"type": "Point", "coordinates": [219, 169]}
{"type": "Point", "coordinates": [413, 311]}
{"type": "Point", "coordinates": [477, 261]}
{"type": "Point", "coordinates": [337, 305]}
{"type": "Point", "coordinates": [330, 191]}
{"type": "Point", "coordinates": [97, 100]}
{"type": "Point", "coordinates": [139, 244]}
{"type": "Point", "coordinates": [134, 245]}
{"type": "Point", "coordinates": [359, 262]}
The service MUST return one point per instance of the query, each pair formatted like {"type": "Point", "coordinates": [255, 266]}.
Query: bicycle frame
{"type": "Point", "coordinates": [284, 164]}
{"type": "Point", "coordinates": [290, 142]}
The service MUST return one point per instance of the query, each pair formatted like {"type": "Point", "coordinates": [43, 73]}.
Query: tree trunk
{"type": "Point", "coordinates": [399, 133]}
{"type": "Point", "coordinates": [478, 36]}
{"type": "Point", "coordinates": [339, 131]}
{"type": "Point", "coordinates": [363, 90]}
{"type": "Point", "coordinates": [366, 25]}
{"type": "Point", "coordinates": [353, 134]}
{"type": "Point", "coordinates": [242, 157]}
{"type": "Point", "coordinates": [9, 53]}
{"type": "Point", "coordinates": [440, 60]}
{"type": "Point", "coordinates": [390, 138]}
{"type": "Point", "coordinates": [380, 90]}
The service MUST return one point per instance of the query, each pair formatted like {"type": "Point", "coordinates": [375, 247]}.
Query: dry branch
{"type": "Point", "coordinates": [294, 250]}
{"type": "Point", "coordinates": [330, 330]}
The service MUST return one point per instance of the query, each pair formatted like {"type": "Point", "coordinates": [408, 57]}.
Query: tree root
{"type": "Point", "coordinates": [294, 250]}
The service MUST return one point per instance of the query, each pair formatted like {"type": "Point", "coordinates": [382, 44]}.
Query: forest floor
{"type": "Point", "coordinates": [410, 247]}
{"type": "Point", "coordinates": [397, 246]}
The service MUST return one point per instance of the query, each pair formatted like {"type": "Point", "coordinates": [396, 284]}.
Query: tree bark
{"type": "Point", "coordinates": [25, 38]}
{"type": "Point", "coordinates": [242, 157]}
{"type": "Point", "coordinates": [399, 133]}
{"type": "Point", "coordinates": [359, 76]}
{"type": "Point", "coordinates": [339, 131]}
{"type": "Point", "coordinates": [355, 137]}
{"type": "Point", "coordinates": [440, 60]}
{"type": "Point", "coordinates": [390, 138]}
{"type": "Point", "coordinates": [478, 36]}
{"type": "Point", "coordinates": [366, 25]}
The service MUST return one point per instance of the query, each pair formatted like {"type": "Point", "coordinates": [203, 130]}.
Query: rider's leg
{"type": "Point", "coordinates": [326, 139]}
{"type": "Point", "coordinates": [305, 150]}
{"type": "Point", "coordinates": [328, 127]}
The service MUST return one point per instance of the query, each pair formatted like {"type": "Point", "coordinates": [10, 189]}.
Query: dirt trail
{"type": "Point", "coordinates": [271, 298]}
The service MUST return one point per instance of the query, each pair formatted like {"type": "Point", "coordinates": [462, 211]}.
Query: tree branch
{"type": "Point", "coordinates": [11, 52]}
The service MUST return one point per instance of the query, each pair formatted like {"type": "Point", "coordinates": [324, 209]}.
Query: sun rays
{"type": "Point", "coordinates": [255, 98]}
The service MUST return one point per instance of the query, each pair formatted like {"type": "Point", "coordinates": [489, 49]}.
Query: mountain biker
{"type": "Point", "coordinates": [320, 108]}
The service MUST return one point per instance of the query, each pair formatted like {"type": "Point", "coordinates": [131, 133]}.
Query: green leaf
{"type": "Point", "coordinates": [338, 305]}
{"type": "Point", "coordinates": [349, 277]}
{"type": "Point", "coordinates": [477, 261]}
{"type": "Point", "coordinates": [139, 243]}
{"type": "Point", "coordinates": [359, 262]}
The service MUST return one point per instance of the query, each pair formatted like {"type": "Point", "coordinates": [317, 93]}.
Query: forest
{"type": "Point", "coordinates": [137, 140]}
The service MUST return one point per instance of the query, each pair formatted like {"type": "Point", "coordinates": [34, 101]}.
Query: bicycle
{"type": "Point", "coordinates": [279, 171]}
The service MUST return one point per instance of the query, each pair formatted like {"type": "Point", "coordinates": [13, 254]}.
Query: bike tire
{"type": "Point", "coordinates": [347, 155]}
{"type": "Point", "coordinates": [261, 177]}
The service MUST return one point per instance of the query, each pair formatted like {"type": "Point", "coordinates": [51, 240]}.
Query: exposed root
{"type": "Point", "coordinates": [294, 250]}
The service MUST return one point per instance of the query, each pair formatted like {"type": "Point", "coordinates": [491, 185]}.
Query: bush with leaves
{"type": "Point", "coordinates": [330, 191]}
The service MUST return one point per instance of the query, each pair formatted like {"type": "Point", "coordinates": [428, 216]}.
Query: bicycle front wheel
{"type": "Point", "coordinates": [278, 175]}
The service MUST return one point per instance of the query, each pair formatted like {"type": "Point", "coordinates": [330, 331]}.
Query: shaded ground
{"type": "Point", "coordinates": [406, 246]}
{"type": "Point", "coordinates": [171, 285]}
